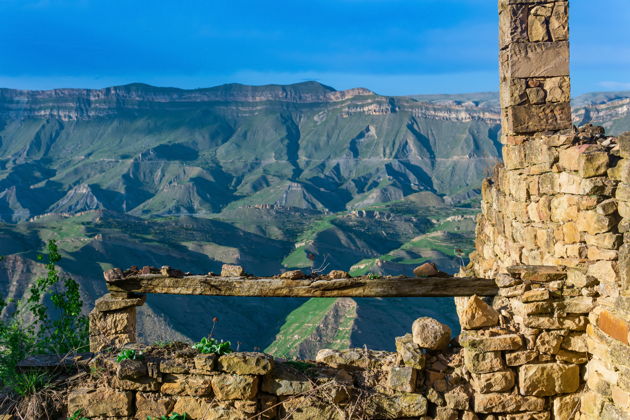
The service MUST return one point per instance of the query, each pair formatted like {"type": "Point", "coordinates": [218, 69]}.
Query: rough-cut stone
{"type": "Point", "coordinates": [478, 314]}
{"type": "Point", "coordinates": [457, 399]}
{"type": "Point", "coordinates": [614, 326]}
{"type": "Point", "coordinates": [176, 365]}
{"type": "Point", "coordinates": [483, 343]}
{"type": "Point", "coordinates": [234, 387]}
{"type": "Point", "coordinates": [193, 385]}
{"type": "Point", "coordinates": [507, 403]}
{"type": "Point", "coordinates": [549, 342]}
{"type": "Point", "coordinates": [203, 408]}
{"type": "Point", "coordinates": [338, 274]}
{"type": "Point", "coordinates": [566, 407]}
{"type": "Point", "coordinates": [395, 406]}
{"type": "Point", "coordinates": [205, 362]}
{"type": "Point", "coordinates": [402, 378]}
{"type": "Point", "coordinates": [535, 295]}
{"type": "Point", "coordinates": [593, 163]}
{"type": "Point", "coordinates": [154, 405]}
{"type": "Point", "coordinates": [359, 358]}
{"type": "Point", "coordinates": [430, 334]}
{"type": "Point", "coordinates": [483, 362]}
{"type": "Point", "coordinates": [104, 402]}
{"type": "Point", "coordinates": [293, 275]}
{"type": "Point", "coordinates": [519, 358]}
{"type": "Point", "coordinates": [228, 270]}
{"type": "Point", "coordinates": [108, 304]}
{"type": "Point", "coordinates": [284, 381]}
{"type": "Point", "coordinates": [131, 369]}
{"type": "Point", "coordinates": [502, 381]}
{"type": "Point", "coordinates": [410, 353]}
{"type": "Point", "coordinates": [547, 379]}
{"type": "Point", "coordinates": [246, 363]}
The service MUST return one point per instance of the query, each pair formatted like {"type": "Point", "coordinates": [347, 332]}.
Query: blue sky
{"type": "Point", "coordinates": [393, 47]}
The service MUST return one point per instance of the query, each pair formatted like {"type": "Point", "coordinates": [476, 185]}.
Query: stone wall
{"type": "Point", "coordinates": [554, 233]}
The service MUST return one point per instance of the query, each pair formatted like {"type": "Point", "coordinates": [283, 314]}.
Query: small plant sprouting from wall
{"type": "Point", "coordinates": [129, 354]}
{"type": "Point", "coordinates": [172, 416]}
{"type": "Point", "coordinates": [211, 345]}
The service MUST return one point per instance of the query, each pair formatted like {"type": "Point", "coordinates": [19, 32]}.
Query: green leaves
{"type": "Point", "coordinates": [172, 416]}
{"type": "Point", "coordinates": [77, 415]}
{"type": "Point", "coordinates": [31, 330]}
{"type": "Point", "coordinates": [210, 345]}
{"type": "Point", "coordinates": [129, 354]}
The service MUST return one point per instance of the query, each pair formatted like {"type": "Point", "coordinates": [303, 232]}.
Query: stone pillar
{"type": "Point", "coordinates": [534, 66]}
{"type": "Point", "coordinates": [113, 321]}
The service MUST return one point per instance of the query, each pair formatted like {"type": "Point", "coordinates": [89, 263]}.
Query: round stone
{"type": "Point", "coordinates": [431, 334]}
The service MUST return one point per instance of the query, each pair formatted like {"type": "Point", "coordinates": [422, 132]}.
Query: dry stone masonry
{"type": "Point", "coordinates": [549, 341]}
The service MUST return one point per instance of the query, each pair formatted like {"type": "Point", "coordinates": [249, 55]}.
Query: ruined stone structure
{"type": "Point", "coordinates": [553, 236]}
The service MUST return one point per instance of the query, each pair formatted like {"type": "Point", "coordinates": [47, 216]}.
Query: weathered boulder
{"type": "Point", "coordinates": [430, 334]}
{"type": "Point", "coordinates": [428, 269]}
{"type": "Point", "coordinates": [228, 270]}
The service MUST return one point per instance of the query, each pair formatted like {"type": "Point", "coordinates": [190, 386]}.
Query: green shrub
{"type": "Point", "coordinates": [210, 345]}
{"type": "Point", "coordinates": [30, 330]}
{"type": "Point", "coordinates": [129, 354]}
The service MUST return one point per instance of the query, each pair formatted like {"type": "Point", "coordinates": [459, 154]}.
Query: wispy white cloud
{"type": "Point", "coordinates": [615, 85]}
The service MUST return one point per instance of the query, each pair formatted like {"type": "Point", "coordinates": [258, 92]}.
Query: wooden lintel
{"type": "Point", "coordinates": [276, 287]}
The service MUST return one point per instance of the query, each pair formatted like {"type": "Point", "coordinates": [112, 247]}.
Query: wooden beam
{"type": "Point", "coordinates": [276, 287]}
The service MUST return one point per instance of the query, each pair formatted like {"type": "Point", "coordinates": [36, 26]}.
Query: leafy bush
{"type": "Point", "coordinates": [129, 354]}
{"type": "Point", "coordinates": [210, 345]}
{"type": "Point", "coordinates": [30, 330]}
{"type": "Point", "coordinates": [172, 416]}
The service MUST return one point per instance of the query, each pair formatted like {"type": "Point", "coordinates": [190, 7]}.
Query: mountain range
{"type": "Point", "coordinates": [269, 177]}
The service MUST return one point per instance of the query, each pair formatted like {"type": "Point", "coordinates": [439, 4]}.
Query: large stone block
{"type": "Point", "coordinates": [103, 402]}
{"type": "Point", "coordinates": [543, 59]}
{"type": "Point", "coordinates": [486, 383]}
{"type": "Point", "coordinates": [614, 326]}
{"type": "Point", "coordinates": [483, 362]}
{"type": "Point", "coordinates": [234, 387]}
{"type": "Point", "coordinates": [507, 403]}
{"type": "Point", "coordinates": [547, 379]}
{"type": "Point", "coordinates": [246, 363]}
{"type": "Point", "coordinates": [193, 385]}
{"type": "Point", "coordinates": [525, 119]}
